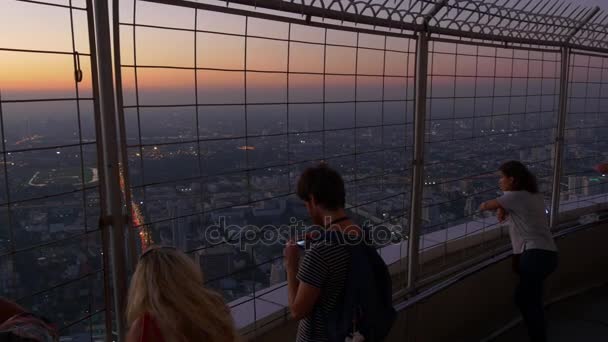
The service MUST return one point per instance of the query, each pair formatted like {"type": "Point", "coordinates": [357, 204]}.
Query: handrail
{"type": "Point", "coordinates": [483, 265]}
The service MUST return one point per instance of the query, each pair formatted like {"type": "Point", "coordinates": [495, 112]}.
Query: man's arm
{"type": "Point", "coordinates": [292, 286]}
{"type": "Point", "coordinates": [301, 296]}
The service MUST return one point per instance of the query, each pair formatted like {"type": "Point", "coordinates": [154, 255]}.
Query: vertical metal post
{"type": "Point", "coordinates": [124, 156]}
{"type": "Point", "coordinates": [558, 146]}
{"type": "Point", "coordinates": [107, 288]}
{"type": "Point", "coordinates": [112, 217]}
{"type": "Point", "coordinates": [422, 54]}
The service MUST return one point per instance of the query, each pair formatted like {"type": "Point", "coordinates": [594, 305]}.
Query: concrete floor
{"type": "Point", "coordinates": [582, 318]}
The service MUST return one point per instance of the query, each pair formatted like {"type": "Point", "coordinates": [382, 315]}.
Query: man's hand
{"type": "Point", "coordinates": [291, 256]}
{"type": "Point", "coordinates": [501, 215]}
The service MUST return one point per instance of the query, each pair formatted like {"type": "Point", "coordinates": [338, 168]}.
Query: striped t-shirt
{"type": "Point", "coordinates": [325, 266]}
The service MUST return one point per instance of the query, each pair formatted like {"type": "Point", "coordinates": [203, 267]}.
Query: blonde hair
{"type": "Point", "coordinates": [168, 285]}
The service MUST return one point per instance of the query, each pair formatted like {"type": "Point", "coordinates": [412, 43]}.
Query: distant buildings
{"type": "Point", "coordinates": [578, 186]}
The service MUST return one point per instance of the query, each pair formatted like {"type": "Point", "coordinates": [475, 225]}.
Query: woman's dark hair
{"type": "Point", "coordinates": [523, 179]}
{"type": "Point", "coordinates": [325, 184]}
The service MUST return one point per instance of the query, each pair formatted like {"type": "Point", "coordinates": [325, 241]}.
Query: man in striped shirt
{"type": "Point", "coordinates": [316, 285]}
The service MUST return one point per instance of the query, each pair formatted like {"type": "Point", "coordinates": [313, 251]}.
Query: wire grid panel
{"type": "Point", "coordinates": [50, 241]}
{"type": "Point", "coordinates": [486, 105]}
{"type": "Point", "coordinates": [585, 172]}
{"type": "Point", "coordinates": [530, 22]}
{"type": "Point", "coordinates": [222, 114]}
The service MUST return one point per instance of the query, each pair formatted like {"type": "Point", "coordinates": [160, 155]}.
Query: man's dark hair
{"type": "Point", "coordinates": [523, 179]}
{"type": "Point", "coordinates": [325, 184]}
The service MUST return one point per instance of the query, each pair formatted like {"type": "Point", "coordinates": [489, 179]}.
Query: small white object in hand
{"type": "Point", "coordinates": [357, 337]}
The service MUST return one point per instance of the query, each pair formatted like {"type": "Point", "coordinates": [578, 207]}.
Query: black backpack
{"type": "Point", "coordinates": [367, 303]}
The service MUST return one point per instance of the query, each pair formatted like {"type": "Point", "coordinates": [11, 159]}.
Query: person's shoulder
{"type": "Point", "coordinates": [135, 331]}
{"type": "Point", "coordinates": [325, 248]}
{"type": "Point", "coordinates": [145, 328]}
{"type": "Point", "coordinates": [527, 198]}
{"type": "Point", "coordinates": [530, 195]}
{"type": "Point", "coordinates": [519, 194]}
{"type": "Point", "coordinates": [320, 246]}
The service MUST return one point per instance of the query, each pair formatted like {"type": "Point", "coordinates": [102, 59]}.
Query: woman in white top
{"type": "Point", "coordinates": [534, 251]}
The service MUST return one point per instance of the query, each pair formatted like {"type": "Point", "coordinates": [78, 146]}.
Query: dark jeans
{"type": "Point", "coordinates": [533, 267]}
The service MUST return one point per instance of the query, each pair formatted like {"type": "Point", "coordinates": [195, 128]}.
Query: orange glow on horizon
{"type": "Point", "coordinates": [29, 73]}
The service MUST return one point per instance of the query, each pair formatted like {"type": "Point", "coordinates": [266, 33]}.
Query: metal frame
{"type": "Point", "coordinates": [559, 139]}
{"type": "Point", "coordinates": [112, 220]}
{"type": "Point", "coordinates": [563, 112]}
{"type": "Point", "coordinates": [542, 22]}
{"type": "Point", "coordinates": [531, 24]}
{"type": "Point", "coordinates": [80, 193]}
{"type": "Point", "coordinates": [124, 171]}
{"type": "Point", "coordinates": [527, 24]}
{"type": "Point", "coordinates": [520, 25]}
{"type": "Point", "coordinates": [422, 55]}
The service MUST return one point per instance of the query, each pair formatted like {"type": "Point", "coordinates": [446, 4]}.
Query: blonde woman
{"type": "Point", "coordinates": [168, 302]}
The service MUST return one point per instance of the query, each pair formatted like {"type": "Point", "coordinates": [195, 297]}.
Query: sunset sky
{"type": "Point", "coordinates": [35, 27]}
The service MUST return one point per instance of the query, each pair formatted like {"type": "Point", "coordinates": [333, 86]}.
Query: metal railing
{"type": "Point", "coordinates": [584, 183]}
{"type": "Point", "coordinates": [486, 102]}
{"type": "Point", "coordinates": [238, 151]}
{"type": "Point", "coordinates": [496, 104]}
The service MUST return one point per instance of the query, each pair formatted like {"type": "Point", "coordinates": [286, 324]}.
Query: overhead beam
{"type": "Point", "coordinates": [582, 24]}
{"type": "Point", "coordinates": [319, 12]}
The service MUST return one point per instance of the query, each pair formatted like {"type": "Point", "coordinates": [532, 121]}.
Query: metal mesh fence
{"type": "Point", "coordinates": [584, 177]}
{"type": "Point", "coordinates": [222, 108]}
{"type": "Point", "coordinates": [50, 242]}
{"type": "Point", "coordinates": [486, 105]}
{"type": "Point", "coordinates": [220, 125]}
